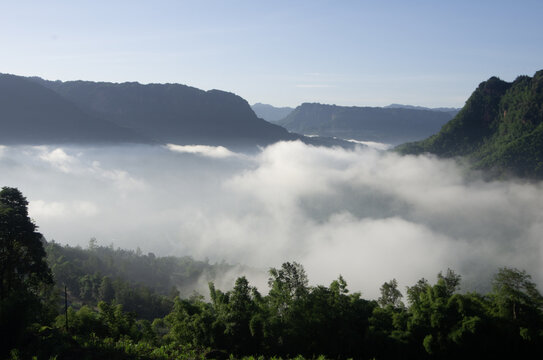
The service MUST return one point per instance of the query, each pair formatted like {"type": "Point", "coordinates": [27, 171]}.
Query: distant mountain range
{"type": "Point", "coordinates": [271, 113]}
{"type": "Point", "coordinates": [451, 110]}
{"type": "Point", "coordinates": [499, 129]}
{"type": "Point", "coordinates": [394, 125]}
{"type": "Point", "coordinates": [36, 111]}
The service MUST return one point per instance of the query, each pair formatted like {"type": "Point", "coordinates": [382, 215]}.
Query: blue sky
{"type": "Point", "coordinates": [430, 53]}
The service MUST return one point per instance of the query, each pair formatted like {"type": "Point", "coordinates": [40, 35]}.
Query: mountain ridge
{"type": "Point", "coordinates": [173, 113]}
{"type": "Point", "coordinates": [34, 111]}
{"type": "Point", "coordinates": [500, 129]}
{"type": "Point", "coordinates": [387, 125]}
{"type": "Point", "coordinates": [36, 115]}
{"type": "Point", "coordinates": [271, 113]}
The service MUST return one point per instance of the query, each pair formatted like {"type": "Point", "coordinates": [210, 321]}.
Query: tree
{"type": "Point", "coordinates": [285, 306]}
{"type": "Point", "coordinates": [24, 272]}
{"type": "Point", "coordinates": [390, 295]}
{"type": "Point", "coordinates": [289, 282]}
{"type": "Point", "coordinates": [414, 292]}
{"type": "Point", "coordinates": [241, 309]}
{"type": "Point", "coordinates": [451, 280]}
{"type": "Point", "coordinates": [516, 296]}
{"type": "Point", "coordinates": [106, 291]}
{"type": "Point", "coordinates": [22, 257]}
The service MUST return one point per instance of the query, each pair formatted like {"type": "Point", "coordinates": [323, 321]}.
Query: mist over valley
{"type": "Point", "coordinates": [365, 214]}
{"type": "Point", "coordinates": [240, 180]}
{"type": "Point", "coordinates": [174, 170]}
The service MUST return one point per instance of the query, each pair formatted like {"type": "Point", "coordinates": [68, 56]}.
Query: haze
{"type": "Point", "coordinates": [368, 215]}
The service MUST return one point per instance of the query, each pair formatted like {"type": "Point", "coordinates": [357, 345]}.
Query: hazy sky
{"type": "Point", "coordinates": [431, 53]}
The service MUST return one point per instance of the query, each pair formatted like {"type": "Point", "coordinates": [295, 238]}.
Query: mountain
{"type": "Point", "coordinates": [173, 113]}
{"type": "Point", "coordinates": [388, 125]}
{"type": "Point", "coordinates": [499, 129]}
{"type": "Point", "coordinates": [36, 111]}
{"type": "Point", "coordinates": [452, 111]}
{"type": "Point", "coordinates": [33, 114]}
{"type": "Point", "coordinates": [271, 113]}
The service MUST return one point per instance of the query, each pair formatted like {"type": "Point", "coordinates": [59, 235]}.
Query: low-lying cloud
{"type": "Point", "coordinates": [203, 150]}
{"type": "Point", "coordinates": [368, 215]}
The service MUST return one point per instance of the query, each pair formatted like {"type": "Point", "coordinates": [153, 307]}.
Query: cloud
{"type": "Point", "coordinates": [57, 158]}
{"type": "Point", "coordinates": [372, 144]}
{"type": "Point", "coordinates": [363, 213]}
{"type": "Point", "coordinates": [122, 179]}
{"type": "Point", "coordinates": [203, 150]}
{"type": "Point", "coordinates": [68, 163]}
{"type": "Point", "coordinates": [62, 210]}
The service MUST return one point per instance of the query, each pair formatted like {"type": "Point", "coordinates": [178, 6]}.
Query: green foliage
{"type": "Point", "coordinates": [499, 129]}
{"type": "Point", "coordinates": [22, 257]}
{"type": "Point", "coordinates": [516, 296]}
{"type": "Point", "coordinates": [390, 295]}
{"type": "Point", "coordinates": [439, 323]}
{"type": "Point", "coordinates": [143, 284]}
{"type": "Point", "coordinates": [24, 274]}
{"type": "Point", "coordinates": [289, 282]}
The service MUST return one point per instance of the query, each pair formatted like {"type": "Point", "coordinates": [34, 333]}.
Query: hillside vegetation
{"type": "Point", "coordinates": [144, 284]}
{"type": "Point", "coordinates": [500, 129]}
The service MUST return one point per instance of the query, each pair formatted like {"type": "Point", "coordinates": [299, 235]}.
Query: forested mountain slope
{"type": "Point", "coordinates": [499, 129]}
{"type": "Point", "coordinates": [143, 283]}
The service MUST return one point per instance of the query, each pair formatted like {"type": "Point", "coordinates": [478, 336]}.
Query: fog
{"type": "Point", "coordinates": [366, 214]}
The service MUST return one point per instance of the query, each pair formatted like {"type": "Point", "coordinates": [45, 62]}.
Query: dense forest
{"type": "Point", "coordinates": [60, 302]}
{"type": "Point", "coordinates": [143, 284]}
{"type": "Point", "coordinates": [500, 129]}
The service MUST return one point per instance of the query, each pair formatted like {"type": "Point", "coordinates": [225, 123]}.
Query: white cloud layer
{"type": "Point", "coordinates": [62, 210]}
{"type": "Point", "coordinates": [368, 215]}
{"type": "Point", "coordinates": [57, 158]}
{"type": "Point", "coordinates": [203, 150]}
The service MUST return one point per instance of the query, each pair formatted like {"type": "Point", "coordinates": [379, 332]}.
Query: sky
{"type": "Point", "coordinates": [366, 53]}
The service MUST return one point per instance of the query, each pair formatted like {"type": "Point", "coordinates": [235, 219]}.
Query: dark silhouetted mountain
{"type": "Point", "coordinates": [33, 114]}
{"type": "Point", "coordinates": [37, 111]}
{"type": "Point", "coordinates": [173, 113]}
{"type": "Point", "coordinates": [271, 113]}
{"type": "Point", "coordinates": [499, 129]}
{"type": "Point", "coordinates": [392, 125]}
